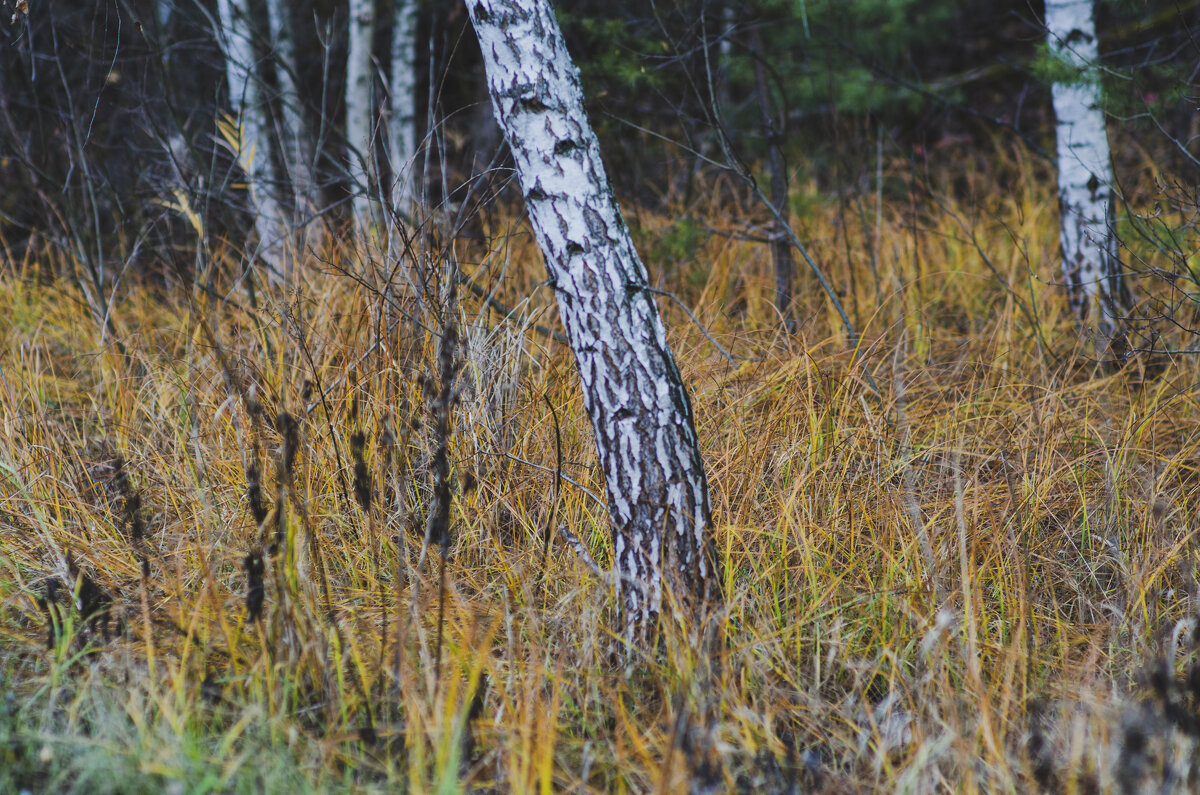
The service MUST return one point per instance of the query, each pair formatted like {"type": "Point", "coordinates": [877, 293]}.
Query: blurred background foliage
{"type": "Point", "coordinates": [102, 103]}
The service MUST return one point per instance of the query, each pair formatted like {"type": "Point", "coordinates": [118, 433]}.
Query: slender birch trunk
{"type": "Point", "coordinates": [246, 99]}
{"type": "Point", "coordinates": [402, 133]}
{"type": "Point", "coordinates": [297, 157]}
{"type": "Point", "coordinates": [359, 118]}
{"type": "Point", "coordinates": [1091, 257]}
{"type": "Point", "coordinates": [656, 488]}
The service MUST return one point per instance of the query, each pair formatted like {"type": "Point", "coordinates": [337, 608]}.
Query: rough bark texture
{"type": "Point", "coordinates": [655, 483]}
{"type": "Point", "coordinates": [358, 107]}
{"type": "Point", "coordinates": [245, 97]}
{"type": "Point", "coordinates": [297, 155]}
{"type": "Point", "coordinates": [1091, 259]}
{"type": "Point", "coordinates": [402, 134]}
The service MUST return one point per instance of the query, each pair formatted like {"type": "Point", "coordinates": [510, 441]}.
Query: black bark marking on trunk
{"type": "Point", "coordinates": [641, 416]}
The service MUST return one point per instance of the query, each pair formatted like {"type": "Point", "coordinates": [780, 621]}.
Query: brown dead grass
{"type": "Point", "coordinates": [904, 574]}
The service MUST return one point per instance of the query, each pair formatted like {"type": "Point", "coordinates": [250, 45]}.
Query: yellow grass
{"type": "Point", "coordinates": [906, 576]}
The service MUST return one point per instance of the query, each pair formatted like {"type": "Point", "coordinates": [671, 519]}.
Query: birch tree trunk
{"type": "Point", "coordinates": [1091, 258]}
{"type": "Point", "coordinates": [402, 134]}
{"type": "Point", "coordinates": [656, 488]}
{"type": "Point", "coordinates": [254, 146]}
{"type": "Point", "coordinates": [358, 108]}
{"type": "Point", "coordinates": [297, 156]}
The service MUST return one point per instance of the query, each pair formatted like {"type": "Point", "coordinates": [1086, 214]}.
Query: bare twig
{"type": "Point", "coordinates": [565, 478]}
{"type": "Point", "coordinates": [581, 551]}
{"type": "Point", "coordinates": [494, 303]}
{"type": "Point", "coordinates": [732, 359]}
{"type": "Point", "coordinates": [558, 475]}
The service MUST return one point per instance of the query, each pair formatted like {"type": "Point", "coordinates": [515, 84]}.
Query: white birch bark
{"type": "Point", "coordinates": [246, 101]}
{"type": "Point", "coordinates": [402, 133]}
{"type": "Point", "coordinates": [359, 119]}
{"type": "Point", "coordinates": [297, 157]}
{"type": "Point", "coordinates": [656, 488]}
{"type": "Point", "coordinates": [1091, 259]}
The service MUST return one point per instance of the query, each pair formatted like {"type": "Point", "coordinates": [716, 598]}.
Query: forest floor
{"type": "Point", "coordinates": [981, 578]}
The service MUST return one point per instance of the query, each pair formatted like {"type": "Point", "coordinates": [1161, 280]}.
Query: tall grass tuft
{"type": "Point", "coordinates": [905, 575]}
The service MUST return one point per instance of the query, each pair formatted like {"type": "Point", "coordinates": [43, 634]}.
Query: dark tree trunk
{"type": "Point", "coordinates": [772, 131]}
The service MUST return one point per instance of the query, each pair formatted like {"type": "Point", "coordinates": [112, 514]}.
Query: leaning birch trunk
{"type": "Point", "coordinates": [656, 488]}
{"type": "Point", "coordinates": [1091, 258]}
{"type": "Point", "coordinates": [358, 109]}
{"type": "Point", "coordinates": [254, 154]}
{"type": "Point", "coordinates": [297, 157]}
{"type": "Point", "coordinates": [402, 134]}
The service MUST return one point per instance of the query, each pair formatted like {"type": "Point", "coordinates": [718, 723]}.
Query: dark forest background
{"type": "Point", "coordinates": [108, 108]}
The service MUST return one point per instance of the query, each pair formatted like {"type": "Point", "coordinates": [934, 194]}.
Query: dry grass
{"type": "Point", "coordinates": [957, 586]}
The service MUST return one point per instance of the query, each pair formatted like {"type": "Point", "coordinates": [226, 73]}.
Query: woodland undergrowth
{"type": "Point", "coordinates": [220, 558]}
